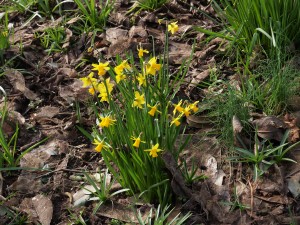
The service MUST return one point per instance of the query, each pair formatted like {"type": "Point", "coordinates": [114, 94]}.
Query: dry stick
{"type": "Point", "coordinates": [172, 166]}
{"type": "Point", "coordinates": [58, 170]}
{"type": "Point", "coordinates": [251, 201]}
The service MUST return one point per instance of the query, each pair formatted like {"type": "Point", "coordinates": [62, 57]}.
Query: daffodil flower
{"type": "Point", "coordinates": [139, 100]}
{"type": "Point", "coordinates": [152, 66]}
{"type": "Point", "coordinates": [194, 106]}
{"type": "Point", "coordinates": [187, 111]}
{"type": "Point", "coordinates": [154, 150]}
{"type": "Point", "coordinates": [99, 145]}
{"type": "Point", "coordinates": [153, 109]}
{"type": "Point", "coordinates": [120, 77]}
{"type": "Point", "coordinates": [106, 121]}
{"type": "Point", "coordinates": [101, 68]}
{"type": "Point", "coordinates": [92, 90]}
{"type": "Point", "coordinates": [89, 80]}
{"type": "Point", "coordinates": [173, 27]}
{"type": "Point", "coordinates": [176, 121]}
{"type": "Point", "coordinates": [141, 52]}
{"type": "Point", "coordinates": [137, 141]}
{"type": "Point", "coordinates": [178, 108]}
{"type": "Point", "coordinates": [141, 79]}
{"type": "Point", "coordinates": [105, 88]}
{"type": "Point", "coordinates": [120, 68]}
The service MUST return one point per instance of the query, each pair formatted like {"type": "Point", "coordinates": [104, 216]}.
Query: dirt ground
{"type": "Point", "coordinates": [46, 99]}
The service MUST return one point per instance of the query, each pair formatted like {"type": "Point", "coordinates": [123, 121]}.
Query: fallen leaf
{"type": "Point", "coordinates": [44, 208]}
{"type": "Point", "coordinates": [58, 176]}
{"type": "Point", "coordinates": [38, 157]}
{"type": "Point", "coordinates": [123, 213]}
{"type": "Point", "coordinates": [83, 195]}
{"type": "Point", "coordinates": [138, 31]}
{"type": "Point", "coordinates": [69, 72]}
{"type": "Point", "coordinates": [26, 184]}
{"type": "Point", "coordinates": [198, 121]}
{"type": "Point", "coordinates": [115, 34]}
{"type": "Point", "coordinates": [69, 34]}
{"type": "Point", "coordinates": [270, 127]}
{"type": "Point", "coordinates": [46, 112]}
{"type": "Point", "coordinates": [17, 80]}
{"type": "Point", "coordinates": [293, 184]}
{"type": "Point", "coordinates": [179, 53]}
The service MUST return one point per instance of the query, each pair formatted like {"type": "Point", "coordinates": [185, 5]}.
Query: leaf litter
{"type": "Point", "coordinates": [54, 89]}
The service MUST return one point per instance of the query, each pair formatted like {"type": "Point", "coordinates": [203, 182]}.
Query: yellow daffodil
{"type": "Point", "coordinates": [89, 80]}
{"type": "Point", "coordinates": [159, 21]}
{"type": "Point", "coordinates": [101, 68]}
{"type": "Point", "coordinates": [187, 111]}
{"type": "Point", "coordinates": [194, 106]}
{"type": "Point", "coordinates": [92, 90]}
{"type": "Point", "coordinates": [176, 121]}
{"type": "Point", "coordinates": [139, 100]}
{"type": "Point", "coordinates": [120, 68]}
{"type": "Point", "coordinates": [120, 77]}
{"type": "Point", "coordinates": [103, 97]}
{"type": "Point", "coordinates": [152, 66]}
{"type": "Point", "coordinates": [137, 141]}
{"type": "Point", "coordinates": [99, 145]}
{"type": "Point", "coordinates": [173, 27]}
{"type": "Point", "coordinates": [154, 150]}
{"type": "Point", "coordinates": [106, 121]}
{"type": "Point", "coordinates": [178, 108]}
{"type": "Point", "coordinates": [141, 79]}
{"type": "Point", "coordinates": [141, 52]}
{"type": "Point", "coordinates": [153, 110]}
{"type": "Point", "coordinates": [105, 88]}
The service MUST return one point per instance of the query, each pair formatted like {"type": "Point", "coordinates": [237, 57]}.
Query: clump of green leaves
{"type": "Point", "coordinates": [4, 36]}
{"type": "Point", "coordinates": [137, 121]}
{"type": "Point", "coordinates": [96, 15]}
{"type": "Point", "coordinates": [52, 39]}
{"type": "Point", "coordinates": [103, 188]}
{"type": "Point", "coordinates": [276, 18]}
{"type": "Point", "coordinates": [161, 217]}
{"type": "Point", "coordinates": [264, 154]}
{"type": "Point", "coordinates": [151, 5]}
{"type": "Point", "coordinates": [9, 155]}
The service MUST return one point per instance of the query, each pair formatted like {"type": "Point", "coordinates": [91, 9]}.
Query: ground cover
{"type": "Point", "coordinates": [149, 112]}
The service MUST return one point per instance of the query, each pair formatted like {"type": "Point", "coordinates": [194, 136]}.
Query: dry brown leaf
{"type": "Point", "coordinates": [113, 35]}
{"type": "Point", "coordinates": [236, 125]}
{"type": "Point", "coordinates": [74, 92]}
{"type": "Point", "coordinates": [198, 121]}
{"type": "Point", "coordinates": [203, 54]}
{"type": "Point", "coordinates": [26, 184]}
{"type": "Point", "coordinates": [199, 77]}
{"type": "Point", "coordinates": [27, 207]}
{"type": "Point", "coordinates": [67, 72]}
{"type": "Point", "coordinates": [69, 34]}
{"type": "Point", "coordinates": [46, 112]}
{"type": "Point", "coordinates": [17, 80]}
{"type": "Point", "coordinates": [138, 31]}
{"type": "Point", "coordinates": [44, 208]}
{"type": "Point", "coordinates": [178, 52]}
{"type": "Point", "coordinates": [50, 24]}
{"type": "Point", "coordinates": [270, 127]}
{"type": "Point", "coordinates": [38, 157]}
{"type": "Point", "coordinates": [58, 176]}
{"type": "Point", "coordinates": [122, 212]}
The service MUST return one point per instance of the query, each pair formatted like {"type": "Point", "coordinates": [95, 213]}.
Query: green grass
{"type": "Point", "coordinates": [96, 15]}
{"type": "Point", "coordinates": [52, 39]}
{"type": "Point", "coordinates": [149, 5]}
{"type": "Point", "coordinates": [277, 18]}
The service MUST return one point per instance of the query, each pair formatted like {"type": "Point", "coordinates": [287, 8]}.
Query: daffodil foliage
{"type": "Point", "coordinates": [137, 120]}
